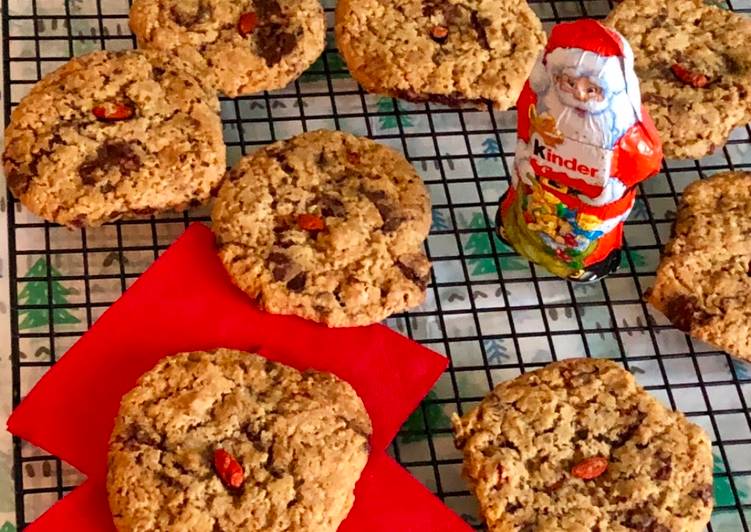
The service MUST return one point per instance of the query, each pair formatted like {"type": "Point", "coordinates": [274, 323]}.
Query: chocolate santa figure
{"type": "Point", "coordinates": [584, 142]}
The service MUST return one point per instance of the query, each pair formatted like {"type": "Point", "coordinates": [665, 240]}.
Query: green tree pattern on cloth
{"type": "Point", "coordinates": [479, 244]}
{"type": "Point", "coordinates": [386, 105]}
{"type": "Point", "coordinates": [8, 527]}
{"type": "Point", "coordinates": [35, 293]}
{"type": "Point", "coordinates": [416, 423]}
{"type": "Point", "coordinates": [636, 257]}
{"type": "Point", "coordinates": [723, 491]}
{"type": "Point", "coordinates": [337, 68]}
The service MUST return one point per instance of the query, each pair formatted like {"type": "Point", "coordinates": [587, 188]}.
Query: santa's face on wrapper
{"type": "Point", "coordinates": [578, 91]}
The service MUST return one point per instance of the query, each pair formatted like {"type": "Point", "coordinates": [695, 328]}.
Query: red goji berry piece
{"type": "Point", "coordinates": [228, 469]}
{"type": "Point", "coordinates": [590, 468]}
{"type": "Point", "coordinates": [695, 79]}
{"type": "Point", "coordinates": [113, 112]}
{"type": "Point", "coordinates": [247, 23]}
{"type": "Point", "coordinates": [439, 34]}
{"type": "Point", "coordinates": [311, 222]}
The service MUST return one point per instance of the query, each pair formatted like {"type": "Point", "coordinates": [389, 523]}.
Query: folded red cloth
{"type": "Point", "coordinates": [186, 302]}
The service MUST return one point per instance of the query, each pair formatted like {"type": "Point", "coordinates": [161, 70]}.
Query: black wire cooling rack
{"type": "Point", "coordinates": [490, 312]}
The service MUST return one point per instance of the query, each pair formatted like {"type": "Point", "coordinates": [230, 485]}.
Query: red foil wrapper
{"type": "Point", "coordinates": [186, 302]}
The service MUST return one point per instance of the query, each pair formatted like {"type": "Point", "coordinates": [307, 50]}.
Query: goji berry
{"type": "Point", "coordinates": [247, 23]}
{"type": "Point", "coordinates": [439, 34]}
{"type": "Point", "coordinates": [228, 468]}
{"type": "Point", "coordinates": [695, 79]}
{"type": "Point", "coordinates": [113, 112]}
{"type": "Point", "coordinates": [311, 222]}
{"type": "Point", "coordinates": [590, 468]}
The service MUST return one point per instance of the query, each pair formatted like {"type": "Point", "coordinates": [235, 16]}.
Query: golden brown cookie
{"type": "Point", "coordinates": [470, 52]}
{"type": "Point", "coordinates": [703, 283]}
{"type": "Point", "coordinates": [579, 445]}
{"type": "Point", "coordinates": [327, 226]}
{"type": "Point", "coordinates": [231, 441]}
{"type": "Point", "coordinates": [694, 64]}
{"type": "Point", "coordinates": [114, 134]}
{"type": "Point", "coordinates": [242, 46]}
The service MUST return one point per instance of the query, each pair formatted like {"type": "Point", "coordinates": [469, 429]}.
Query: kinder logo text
{"type": "Point", "coordinates": [551, 156]}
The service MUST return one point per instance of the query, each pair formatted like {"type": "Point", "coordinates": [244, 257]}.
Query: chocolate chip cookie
{"type": "Point", "coordinates": [327, 226]}
{"type": "Point", "coordinates": [243, 46]}
{"type": "Point", "coordinates": [694, 64]}
{"type": "Point", "coordinates": [703, 283]}
{"type": "Point", "coordinates": [579, 445]}
{"type": "Point", "coordinates": [231, 441]}
{"type": "Point", "coordinates": [114, 134]}
{"type": "Point", "coordinates": [471, 52]}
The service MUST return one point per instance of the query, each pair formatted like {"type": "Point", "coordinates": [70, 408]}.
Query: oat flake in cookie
{"type": "Point", "coordinates": [243, 46]}
{"type": "Point", "coordinates": [703, 284]}
{"type": "Point", "coordinates": [327, 226]}
{"type": "Point", "coordinates": [579, 445]}
{"type": "Point", "coordinates": [231, 441]}
{"type": "Point", "coordinates": [694, 64]}
{"type": "Point", "coordinates": [451, 52]}
{"type": "Point", "coordinates": [111, 135]}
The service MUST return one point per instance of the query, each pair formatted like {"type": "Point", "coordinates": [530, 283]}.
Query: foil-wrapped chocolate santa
{"type": "Point", "coordinates": [584, 142]}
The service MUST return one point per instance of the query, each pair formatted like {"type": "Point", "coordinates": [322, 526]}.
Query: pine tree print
{"type": "Point", "coordinates": [479, 244]}
{"type": "Point", "coordinates": [636, 257]}
{"type": "Point", "coordinates": [337, 67]}
{"type": "Point", "coordinates": [386, 105]}
{"type": "Point", "coordinates": [440, 223]}
{"type": "Point", "coordinates": [35, 293]}
{"type": "Point", "coordinates": [416, 424]}
{"type": "Point", "coordinates": [8, 527]}
{"type": "Point", "coordinates": [723, 491]}
{"type": "Point", "coordinates": [495, 351]}
{"type": "Point", "coordinates": [742, 369]}
{"type": "Point", "coordinates": [490, 147]}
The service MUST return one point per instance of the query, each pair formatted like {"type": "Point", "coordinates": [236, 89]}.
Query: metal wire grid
{"type": "Point", "coordinates": [492, 314]}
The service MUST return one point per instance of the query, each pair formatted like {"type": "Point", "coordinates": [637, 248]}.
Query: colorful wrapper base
{"type": "Point", "coordinates": [185, 301]}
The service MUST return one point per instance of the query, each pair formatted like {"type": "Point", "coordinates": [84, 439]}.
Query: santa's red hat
{"type": "Point", "coordinates": [586, 34]}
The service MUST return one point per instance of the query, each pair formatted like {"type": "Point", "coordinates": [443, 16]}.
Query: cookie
{"type": "Point", "coordinates": [242, 46]}
{"type": "Point", "coordinates": [114, 134]}
{"type": "Point", "coordinates": [326, 226]}
{"type": "Point", "coordinates": [579, 445]}
{"type": "Point", "coordinates": [703, 284]}
{"type": "Point", "coordinates": [694, 65]}
{"type": "Point", "coordinates": [472, 52]}
{"type": "Point", "coordinates": [231, 441]}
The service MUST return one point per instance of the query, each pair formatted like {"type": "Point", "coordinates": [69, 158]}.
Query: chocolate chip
{"type": "Point", "coordinates": [684, 311]}
{"type": "Point", "coordinates": [664, 471]}
{"type": "Point", "coordinates": [392, 224]}
{"type": "Point", "coordinates": [478, 24]}
{"type": "Point", "coordinates": [331, 206]}
{"type": "Point", "coordinates": [280, 273]}
{"type": "Point", "coordinates": [201, 15]}
{"type": "Point", "coordinates": [267, 9]}
{"type": "Point", "coordinates": [451, 100]}
{"type": "Point", "coordinates": [704, 493]}
{"type": "Point", "coordinates": [107, 187]}
{"type": "Point", "coordinates": [407, 265]}
{"type": "Point", "coordinates": [275, 42]}
{"type": "Point", "coordinates": [297, 283]}
{"type": "Point", "coordinates": [374, 195]}
{"type": "Point", "coordinates": [279, 258]}
{"type": "Point", "coordinates": [111, 154]}
{"type": "Point", "coordinates": [582, 434]}
{"type": "Point", "coordinates": [640, 519]}
{"type": "Point", "coordinates": [18, 181]}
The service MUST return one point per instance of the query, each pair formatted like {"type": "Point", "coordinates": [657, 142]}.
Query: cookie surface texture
{"type": "Point", "coordinates": [111, 135]}
{"type": "Point", "coordinates": [326, 226]}
{"type": "Point", "coordinates": [703, 284]}
{"type": "Point", "coordinates": [300, 441]}
{"type": "Point", "coordinates": [694, 64]}
{"type": "Point", "coordinates": [471, 52]}
{"type": "Point", "coordinates": [243, 46]}
{"type": "Point", "coordinates": [579, 445]}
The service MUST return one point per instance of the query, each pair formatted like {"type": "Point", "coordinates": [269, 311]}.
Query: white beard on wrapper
{"type": "Point", "coordinates": [600, 123]}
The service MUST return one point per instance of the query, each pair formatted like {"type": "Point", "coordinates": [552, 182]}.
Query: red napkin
{"type": "Point", "coordinates": [185, 301]}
